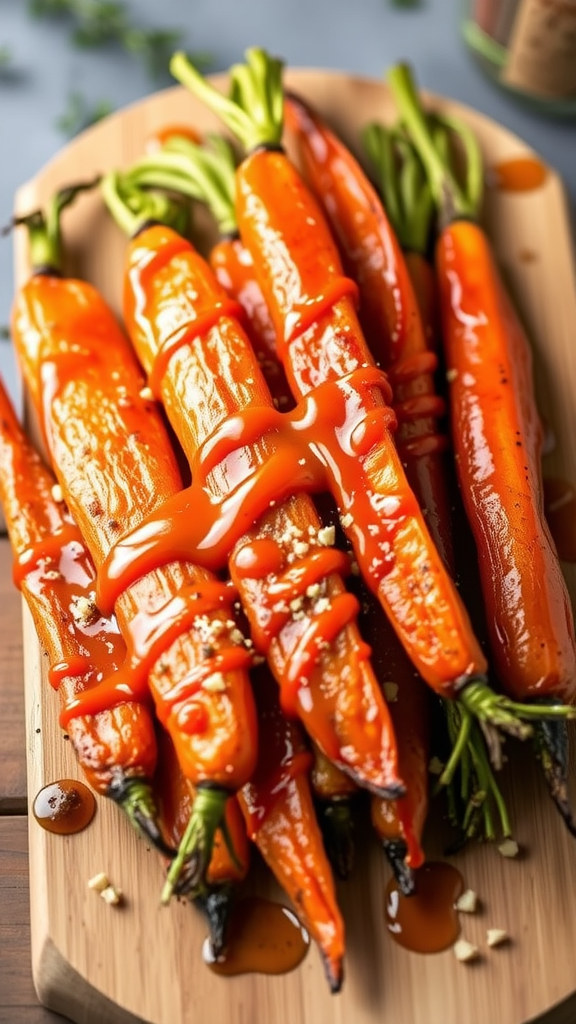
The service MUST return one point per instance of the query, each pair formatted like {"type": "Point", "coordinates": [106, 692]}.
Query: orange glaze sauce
{"type": "Point", "coordinates": [64, 807]}
{"type": "Point", "coordinates": [314, 447]}
{"type": "Point", "coordinates": [427, 921]}
{"type": "Point", "coordinates": [262, 937]}
{"type": "Point", "coordinates": [560, 511]}
{"type": "Point", "coordinates": [519, 174]}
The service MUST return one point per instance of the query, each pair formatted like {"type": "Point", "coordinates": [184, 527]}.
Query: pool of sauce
{"type": "Point", "coordinates": [262, 937]}
{"type": "Point", "coordinates": [560, 509]}
{"type": "Point", "coordinates": [64, 807]}
{"type": "Point", "coordinates": [520, 174]}
{"type": "Point", "coordinates": [426, 922]}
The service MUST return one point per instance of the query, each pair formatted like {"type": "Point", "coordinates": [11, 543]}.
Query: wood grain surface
{"type": "Point", "coordinates": [101, 964]}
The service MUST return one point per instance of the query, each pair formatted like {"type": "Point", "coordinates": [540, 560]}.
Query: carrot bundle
{"type": "Point", "coordinates": [497, 439]}
{"type": "Point", "coordinates": [115, 463]}
{"type": "Point", "coordinates": [312, 306]}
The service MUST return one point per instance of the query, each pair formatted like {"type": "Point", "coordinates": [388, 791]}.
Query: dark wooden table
{"type": "Point", "coordinates": [18, 1002]}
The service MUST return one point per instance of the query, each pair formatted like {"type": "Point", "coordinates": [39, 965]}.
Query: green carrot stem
{"type": "Point", "coordinates": [133, 207]}
{"type": "Point", "coordinates": [451, 201]}
{"type": "Point", "coordinates": [134, 794]}
{"type": "Point", "coordinates": [195, 850]}
{"type": "Point", "coordinates": [402, 184]}
{"type": "Point", "coordinates": [44, 228]}
{"type": "Point", "coordinates": [254, 111]}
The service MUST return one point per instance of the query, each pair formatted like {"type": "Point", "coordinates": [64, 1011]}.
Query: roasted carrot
{"type": "Point", "coordinates": [115, 748]}
{"type": "Point", "coordinates": [312, 306]}
{"type": "Point", "coordinates": [497, 439]}
{"type": "Point", "coordinates": [114, 461]}
{"type": "Point", "coordinates": [186, 332]}
{"type": "Point", "coordinates": [208, 175]}
{"type": "Point", "coordinates": [279, 811]}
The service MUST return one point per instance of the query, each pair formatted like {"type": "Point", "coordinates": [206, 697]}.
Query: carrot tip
{"type": "Point", "coordinates": [334, 970]}
{"type": "Point", "coordinates": [396, 851]}
{"type": "Point", "coordinates": [215, 903]}
{"type": "Point", "coordinates": [135, 796]}
{"type": "Point", "coordinates": [552, 750]}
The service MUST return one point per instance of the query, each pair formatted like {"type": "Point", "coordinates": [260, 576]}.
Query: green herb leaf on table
{"type": "Point", "coordinates": [79, 114]}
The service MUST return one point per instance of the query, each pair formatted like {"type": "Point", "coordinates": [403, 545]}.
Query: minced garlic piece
{"type": "Point", "coordinates": [465, 951]}
{"type": "Point", "coordinates": [509, 848]}
{"type": "Point", "coordinates": [111, 895]}
{"type": "Point", "coordinates": [99, 882]}
{"type": "Point", "coordinates": [467, 902]}
{"type": "Point", "coordinates": [327, 536]}
{"type": "Point", "coordinates": [346, 520]}
{"type": "Point", "coordinates": [56, 493]}
{"type": "Point", "coordinates": [214, 683]}
{"type": "Point", "coordinates": [147, 394]}
{"type": "Point", "coordinates": [496, 936]}
{"type": "Point", "coordinates": [84, 610]}
{"type": "Point", "coordinates": [451, 375]}
{"type": "Point", "coordinates": [435, 767]}
{"type": "Point", "coordinates": [301, 548]}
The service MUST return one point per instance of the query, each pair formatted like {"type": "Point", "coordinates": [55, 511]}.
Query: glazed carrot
{"type": "Point", "coordinates": [497, 438]}
{"type": "Point", "coordinates": [114, 462]}
{"type": "Point", "coordinates": [312, 305]}
{"type": "Point", "coordinates": [115, 748]}
{"type": "Point", "coordinates": [208, 175]}
{"type": "Point", "coordinates": [175, 797]}
{"type": "Point", "coordinates": [279, 811]}
{"type": "Point", "coordinates": [186, 332]}
{"type": "Point", "coordinates": [389, 310]}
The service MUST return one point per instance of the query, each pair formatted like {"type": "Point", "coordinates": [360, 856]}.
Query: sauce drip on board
{"type": "Point", "coordinates": [262, 937]}
{"type": "Point", "coordinates": [64, 807]}
{"type": "Point", "coordinates": [560, 509]}
{"type": "Point", "coordinates": [519, 174]}
{"type": "Point", "coordinates": [426, 922]}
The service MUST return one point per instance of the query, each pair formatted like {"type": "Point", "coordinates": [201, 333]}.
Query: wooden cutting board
{"type": "Point", "coordinates": [103, 965]}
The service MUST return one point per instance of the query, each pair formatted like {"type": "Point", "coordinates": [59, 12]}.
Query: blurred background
{"type": "Point", "coordinates": [65, 63]}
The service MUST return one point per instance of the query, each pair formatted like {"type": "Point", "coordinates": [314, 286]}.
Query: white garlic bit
{"type": "Point", "coordinates": [467, 902]}
{"type": "Point", "coordinates": [465, 951]}
{"type": "Point", "coordinates": [496, 937]}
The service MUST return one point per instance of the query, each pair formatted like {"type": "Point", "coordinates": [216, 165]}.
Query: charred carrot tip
{"type": "Point", "coordinates": [135, 796]}
{"type": "Point", "coordinates": [396, 852]}
{"type": "Point", "coordinates": [551, 744]}
{"type": "Point", "coordinates": [195, 850]}
{"type": "Point", "coordinates": [337, 825]}
{"type": "Point", "coordinates": [334, 970]}
{"type": "Point", "coordinates": [215, 903]}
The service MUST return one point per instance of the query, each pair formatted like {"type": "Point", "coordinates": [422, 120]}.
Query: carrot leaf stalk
{"type": "Point", "coordinates": [478, 792]}
{"type": "Point", "coordinates": [44, 231]}
{"type": "Point", "coordinates": [254, 110]}
{"type": "Point", "coordinates": [195, 850]}
{"type": "Point", "coordinates": [451, 199]}
{"type": "Point", "coordinates": [402, 184]}
{"type": "Point", "coordinates": [206, 174]}
{"type": "Point", "coordinates": [135, 796]}
{"type": "Point", "coordinates": [133, 208]}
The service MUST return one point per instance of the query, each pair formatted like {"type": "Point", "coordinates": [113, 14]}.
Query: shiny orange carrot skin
{"type": "Point", "coordinates": [55, 573]}
{"type": "Point", "coordinates": [234, 269]}
{"type": "Point", "coordinates": [389, 312]}
{"type": "Point", "coordinates": [497, 439]}
{"type": "Point", "coordinates": [168, 288]}
{"type": "Point", "coordinates": [279, 811]}
{"type": "Point", "coordinates": [114, 461]}
{"type": "Point", "coordinates": [276, 212]}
